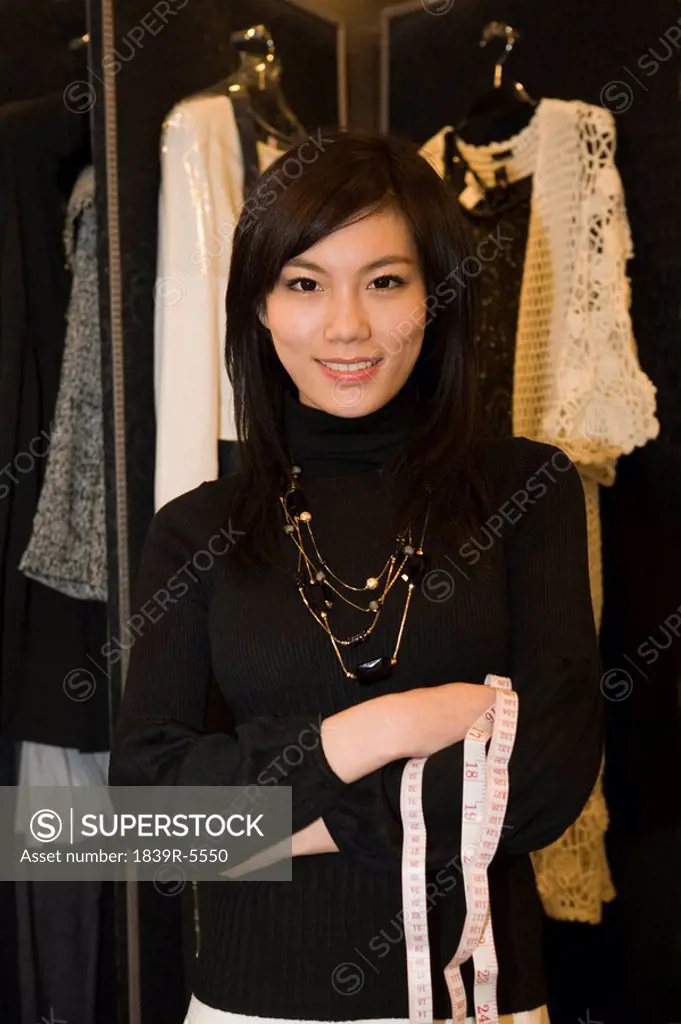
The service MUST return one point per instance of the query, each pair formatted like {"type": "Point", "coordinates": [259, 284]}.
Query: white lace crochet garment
{"type": "Point", "coordinates": [577, 380]}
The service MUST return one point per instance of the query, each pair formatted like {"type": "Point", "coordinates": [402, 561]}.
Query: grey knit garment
{"type": "Point", "coordinates": [67, 548]}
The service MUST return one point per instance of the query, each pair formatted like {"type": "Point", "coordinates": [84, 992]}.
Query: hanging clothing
{"type": "Point", "coordinates": [45, 636]}
{"type": "Point", "coordinates": [269, 949]}
{"type": "Point", "coordinates": [205, 178]}
{"type": "Point", "coordinates": [67, 549]}
{"type": "Point", "coordinates": [10, 991]}
{"type": "Point", "coordinates": [43, 765]}
{"type": "Point", "coordinates": [59, 922]}
{"type": "Point", "coordinates": [59, 939]}
{"type": "Point", "coordinates": [577, 382]}
{"type": "Point", "coordinates": [526, 328]}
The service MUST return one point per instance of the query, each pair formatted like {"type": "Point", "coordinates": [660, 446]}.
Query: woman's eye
{"type": "Point", "coordinates": [383, 282]}
{"type": "Point", "coordinates": [302, 281]}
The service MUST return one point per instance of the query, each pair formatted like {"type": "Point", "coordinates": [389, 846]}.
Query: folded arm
{"type": "Point", "coordinates": [555, 669]}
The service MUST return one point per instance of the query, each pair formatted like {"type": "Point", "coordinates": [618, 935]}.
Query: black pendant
{"type": "Point", "coordinates": [413, 568]}
{"type": "Point", "coordinates": [296, 502]}
{"type": "Point", "coordinates": [374, 671]}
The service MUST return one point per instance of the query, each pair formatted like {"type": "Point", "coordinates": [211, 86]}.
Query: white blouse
{"type": "Point", "coordinates": [201, 195]}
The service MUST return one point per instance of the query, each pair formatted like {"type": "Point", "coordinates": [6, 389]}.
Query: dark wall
{"type": "Point", "coordinates": [360, 20]}
{"type": "Point", "coordinates": [34, 54]}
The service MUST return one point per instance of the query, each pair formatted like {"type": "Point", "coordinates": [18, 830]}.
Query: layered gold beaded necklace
{"type": "Point", "coordinates": [317, 583]}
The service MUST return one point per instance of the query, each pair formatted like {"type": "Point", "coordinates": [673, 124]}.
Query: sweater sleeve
{"type": "Point", "coordinates": [159, 735]}
{"type": "Point", "coordinates": [555, 670]}
{"type": "Point", "coordinates": [602, 405]}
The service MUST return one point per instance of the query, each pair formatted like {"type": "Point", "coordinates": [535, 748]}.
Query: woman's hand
{"type": "Point", "coordinates": [432, 717]}
{"type": "Point", "coordinates": [313, 839]}
{"type": "Point", "coordinates": [416, 723]}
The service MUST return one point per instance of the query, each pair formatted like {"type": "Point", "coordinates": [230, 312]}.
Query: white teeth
{"type": "Point", "coordinates": [364, 365]}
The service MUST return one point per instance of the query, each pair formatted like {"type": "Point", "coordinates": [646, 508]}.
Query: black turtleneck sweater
{"type": "Point", "coordinates": [513, 601]}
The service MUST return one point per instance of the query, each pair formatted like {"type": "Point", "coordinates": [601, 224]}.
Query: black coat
{"type": "Point", "coordinates": [45, 636]}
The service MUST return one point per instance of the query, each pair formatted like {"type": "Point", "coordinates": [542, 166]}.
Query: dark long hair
{"type": "Point", "coordinates": [305, 195]}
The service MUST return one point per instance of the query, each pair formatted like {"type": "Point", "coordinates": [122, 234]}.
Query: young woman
{"type": "Point", "coordinates": [349, 347]}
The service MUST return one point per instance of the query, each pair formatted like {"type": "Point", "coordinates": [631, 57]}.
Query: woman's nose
{"type": "Point", "coordinates": [347, 321]}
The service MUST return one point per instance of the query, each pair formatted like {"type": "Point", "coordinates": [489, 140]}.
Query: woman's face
{"type": "Point", "coordinates": [347, 316]}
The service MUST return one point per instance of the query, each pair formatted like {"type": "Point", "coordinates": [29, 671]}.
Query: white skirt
{"type": "Point", "coordinates": [199, 1013]}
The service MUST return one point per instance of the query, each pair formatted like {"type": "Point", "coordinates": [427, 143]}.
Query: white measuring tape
{"type": "Point", "coordinates": [484, 799]}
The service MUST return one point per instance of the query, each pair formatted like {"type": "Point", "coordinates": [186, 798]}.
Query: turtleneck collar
{"type": "Point", "coordinates": [327, 445]}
